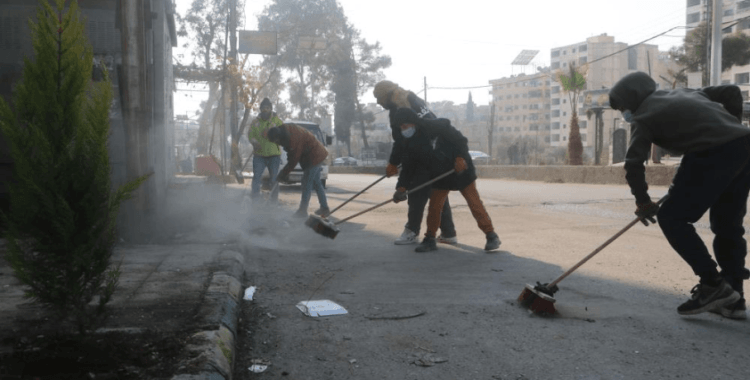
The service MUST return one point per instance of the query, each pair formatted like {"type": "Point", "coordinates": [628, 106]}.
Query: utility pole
{"type": "Point", "coordinates": [235, 155]}
{"type": "Point", "coordinates": [716, 44]}
{"type": "Point", "coordinates": [706, 68]}
{"type": "Point", "coordinates": [491, 129]}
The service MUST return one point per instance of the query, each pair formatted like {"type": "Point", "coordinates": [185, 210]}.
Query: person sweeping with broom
{"type": "Point", "coordinates": [303, 148]}
{"type": "Point", "coordinates": [714, 176]}
{"type": "Point", "coordinates": [435, 147]}
{"type": "Point", "coordinates": [392, 97]}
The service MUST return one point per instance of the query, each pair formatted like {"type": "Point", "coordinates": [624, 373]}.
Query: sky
{"type": "Point", "coordinates": [458, 47]}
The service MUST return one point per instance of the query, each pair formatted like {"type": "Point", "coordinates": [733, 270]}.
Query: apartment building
{"type": "Point", "coordinates": [736, 18]}
{"type": "Point", "coordinates": [522, 107]}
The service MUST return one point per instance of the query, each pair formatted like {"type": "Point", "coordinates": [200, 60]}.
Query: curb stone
{"type": "Point", "coordinates": [215, 346]}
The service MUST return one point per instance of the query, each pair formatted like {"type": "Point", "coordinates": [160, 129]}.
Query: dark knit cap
{"type": "Point", "coordinates": [405, 116]}
{"type": "Point", "coordinates": [266, 102]}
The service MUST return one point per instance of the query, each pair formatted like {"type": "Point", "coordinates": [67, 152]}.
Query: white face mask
{"type": "Point", "coordinates": [628, 116]}
{"type": "Point", "coordinates": [409, 132]}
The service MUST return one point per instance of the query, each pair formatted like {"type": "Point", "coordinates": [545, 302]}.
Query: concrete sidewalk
{"type": "Point", "coordinates": [163, 283]}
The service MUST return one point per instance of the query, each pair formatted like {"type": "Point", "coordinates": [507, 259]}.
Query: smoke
{"type": "Point", "coordinates": [217, 213]}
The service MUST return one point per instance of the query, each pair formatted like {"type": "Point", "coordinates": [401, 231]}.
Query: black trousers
{"type": "Point", "coordinates": [715, 180]}
{"type": "Point", "coordinates": [417, 202]}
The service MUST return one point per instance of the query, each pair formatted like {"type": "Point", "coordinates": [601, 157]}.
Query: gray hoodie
{"type": "Point", "coordinates": [682, 121]}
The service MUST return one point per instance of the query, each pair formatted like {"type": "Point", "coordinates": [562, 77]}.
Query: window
{"type": "Point", "coordinates": [565, 138]}
{"type": "Point", "coordinates": [546, 139]}
{"type": "Point", "coordinates": [583, 48]}
{"type": "Point", "coordinates": [555, 53]}
{"type": "Point", "coordinates": [743, 4]}
{"type": "Point", "coordinates": [582, 124]}
{"type": "Point", "coordinates": [555, 125]}
{"type": "Point", "coordinates": [582, 60]}
{"type": "Point", "coordinates": [555, 89]}
{"type": "Point", "coordinates": [583, 137]}
{"type": "Point", "coordinates": [556, 101]}
{"type": "Point", "coordinates": [573, 51]}
{"type": "Point", "coordinates": [744, 95]}
{"type": "Point", "coordinates": [533, 127]}
{"type": "Point", "coordinates": [692, 3]}
{"type": "Point", "coordinates": [696, 17]}
{"type": "Point", "coordinates": [555, 113]}
{"type": "Point", "coordinates": [742, 78]}
{"type": "Point", "coordinates": [555, 138]}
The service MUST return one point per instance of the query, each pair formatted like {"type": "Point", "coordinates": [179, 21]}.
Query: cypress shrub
{"type": "Point", "coordinates": [61, 223]}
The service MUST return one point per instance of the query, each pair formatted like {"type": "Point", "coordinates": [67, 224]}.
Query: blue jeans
{"type": "Point", "coordinates": [260, 164]}
{"type": "Point", "coordinates": [310, 180]}
{"type": "Point", "coordinates": [717, 179]}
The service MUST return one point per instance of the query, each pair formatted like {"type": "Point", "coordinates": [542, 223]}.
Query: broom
{"type": "Point", "coordinates": [329, 230]}
{"type": "Point", "coordinates": [540, 298]}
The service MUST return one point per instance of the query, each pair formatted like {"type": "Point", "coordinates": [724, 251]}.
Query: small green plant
{"type": "Point", "coordinates": [61, 224]}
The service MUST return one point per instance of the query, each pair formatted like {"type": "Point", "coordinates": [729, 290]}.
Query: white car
{"type": "Point", "coordinates": [345, 161]}
{"type": "Point", "coordinates": [479, 158]}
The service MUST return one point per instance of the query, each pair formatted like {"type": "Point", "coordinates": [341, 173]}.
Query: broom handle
{"type": "Point", "coordinates": [606, 243]}
{"type": "Point", "coordinates": [355, 195]}
{"type": "Point", "coordinates": [430, 182]}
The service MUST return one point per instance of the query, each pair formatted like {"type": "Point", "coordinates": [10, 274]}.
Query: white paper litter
{"type": "Point", "coordinates": [249, 293]}
{"type": "Point", "coordinates": [320, 308]}
{"type": "Point", "coordinates": [258, 368]}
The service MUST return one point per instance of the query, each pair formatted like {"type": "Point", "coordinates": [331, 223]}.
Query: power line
{"type": "Point", "coordinates": [587, 63]}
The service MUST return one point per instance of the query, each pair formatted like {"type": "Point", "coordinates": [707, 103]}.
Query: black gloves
{"type": "Point", "coordinates": [646, 212]}
{"type": "Point", "coordinates": [399, 195]}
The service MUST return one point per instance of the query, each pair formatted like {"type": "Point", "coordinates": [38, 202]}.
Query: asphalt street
{"type": "Point", "coordinates": [452, 313]}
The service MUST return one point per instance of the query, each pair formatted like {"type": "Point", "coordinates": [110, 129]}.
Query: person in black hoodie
{"type": "Point", "coordinates": [391, 97]}
{"type": "Point", "coordinates": [433, 147]}
{"type": "Point", "coordinates": [714, 175]}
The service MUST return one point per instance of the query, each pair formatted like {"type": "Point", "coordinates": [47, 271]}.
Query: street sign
{"type": "Point", "coordinates": [255, 42]}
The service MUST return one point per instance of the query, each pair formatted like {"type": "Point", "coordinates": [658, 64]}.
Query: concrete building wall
{"type": "Point", "coordinates": [102, 30]}
{"type": "Point", "coordinates": [522, 104]}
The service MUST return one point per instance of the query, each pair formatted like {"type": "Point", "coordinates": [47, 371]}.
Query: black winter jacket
{"type": "Point", "coordinates": [680, 121]}
{"type": "Point", "coordinates": [431, 152]}
{"type": "Point", "coordinates": [419, 106]}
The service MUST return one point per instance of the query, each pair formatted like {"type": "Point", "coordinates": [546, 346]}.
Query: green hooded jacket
{"type": "Point", "coordinates": [266, 148]}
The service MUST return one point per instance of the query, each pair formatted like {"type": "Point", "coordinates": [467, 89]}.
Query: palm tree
{"type": "Point", "coordinates": [573, 82]}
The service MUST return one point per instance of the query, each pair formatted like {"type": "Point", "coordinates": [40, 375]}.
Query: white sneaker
{"type": "Point", "coordinates": [407, 237]}
{"type": "Point", "coordinates": [447, 240]}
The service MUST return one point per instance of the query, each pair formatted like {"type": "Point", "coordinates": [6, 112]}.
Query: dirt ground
{"type": "Point", "coordinates": [42, 349]}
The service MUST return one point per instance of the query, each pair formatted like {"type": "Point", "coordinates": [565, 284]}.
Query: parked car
{"type": "Point", "coordinates": [345, 161]}
{"type": "Point", "coordinates": [479, 158]}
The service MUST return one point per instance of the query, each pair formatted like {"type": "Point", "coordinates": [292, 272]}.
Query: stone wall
{"type": "Point", "coordinates": [656, 175]}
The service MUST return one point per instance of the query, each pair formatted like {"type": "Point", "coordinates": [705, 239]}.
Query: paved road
{"type": "Point", "coordinates": [451, 314]}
